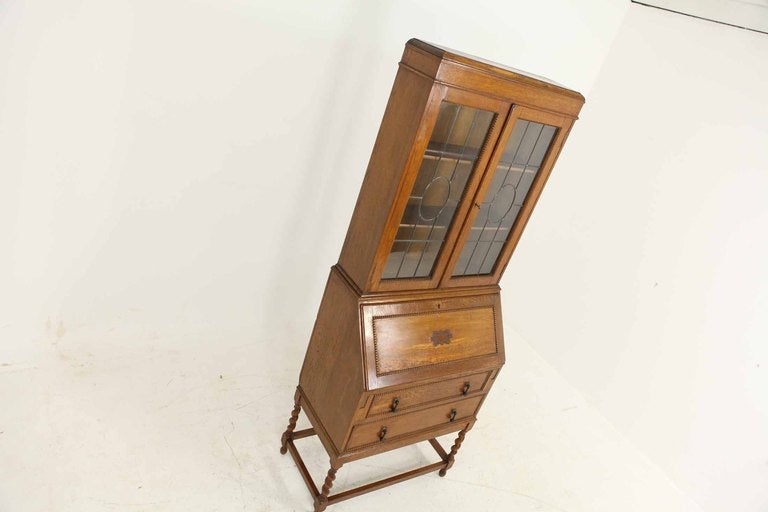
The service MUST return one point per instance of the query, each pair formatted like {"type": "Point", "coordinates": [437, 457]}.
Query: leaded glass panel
{"type": "Point", "coordinates": [449, 161]}
{"type": "Point", "coordinates": [519, 164]}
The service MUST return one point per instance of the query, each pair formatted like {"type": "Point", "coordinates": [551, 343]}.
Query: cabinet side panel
{"type": "Point", "coordinates": [400, 129]}
{"type": "Point", "coordinates": [332, 375]}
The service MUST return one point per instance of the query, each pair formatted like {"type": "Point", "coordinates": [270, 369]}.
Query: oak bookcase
{"type": "Point", "coordinates": [409, 339]}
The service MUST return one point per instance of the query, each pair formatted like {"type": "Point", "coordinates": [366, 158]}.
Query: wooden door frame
{"type": "Point", "coordinates": [563, 125]}
{"type": "Point", "coordinates": [439, 94]}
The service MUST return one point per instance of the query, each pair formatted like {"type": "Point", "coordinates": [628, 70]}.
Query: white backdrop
{"type": "Point", "coordinates": [645, 266]}
{"type": "Point", "coordinates": [182, 168]}
{"type": "Point", "coordinates": [179, 171]}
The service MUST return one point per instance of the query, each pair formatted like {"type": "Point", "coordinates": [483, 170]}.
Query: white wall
{"type": "Point", "coordinates": [178, 171]}
{"type": "Point", "coordinates": [189, 168]}
{"type": "Point", "coordinates": [643, 275]}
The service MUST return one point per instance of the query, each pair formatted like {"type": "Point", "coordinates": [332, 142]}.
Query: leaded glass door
{"type": "Point", "coordinates": [442, 182]}
{"type": "Point", "coordinates": [519, 168]}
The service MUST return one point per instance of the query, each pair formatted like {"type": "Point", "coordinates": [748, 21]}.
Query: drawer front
{"type": "Point", "coordinates": [391, 427]}
{"type": "Point", "coordinates": [405, 399]}
{"type": "Point", "coordinates": [409, 341]}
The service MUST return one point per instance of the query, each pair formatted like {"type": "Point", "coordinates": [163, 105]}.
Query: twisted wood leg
{"type": "Point", "coordinates": [452, 454]}
{"type": "Point", "coordinates": [322, 500]}
{"type": "Point", "coordinates": [291, 423]}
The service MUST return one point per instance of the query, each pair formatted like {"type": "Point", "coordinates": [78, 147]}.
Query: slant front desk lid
{"type": "Point", "coordinates": [419, 340]}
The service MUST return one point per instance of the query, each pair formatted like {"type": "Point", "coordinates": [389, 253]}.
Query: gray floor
{"type": "Point", "coordinates": [96, 421]}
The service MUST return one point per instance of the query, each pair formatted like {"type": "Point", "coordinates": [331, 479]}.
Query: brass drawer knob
{"type": "Point", "coordinates": [382, 433]}
{"type": "Point", "coordinates": [395, 404]}
{"type": "Point", "coordinates": [453, 415]}
{"type": "Point", "coordinates": [465, 389]}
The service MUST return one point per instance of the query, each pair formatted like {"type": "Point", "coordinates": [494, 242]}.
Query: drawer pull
{"type": "Point", "coordinates": [382, 433]}
{"type": "Point", "coordinates": [465, 389]}
{"type": "Point", "coordinates": [395, 404]}
{"type": "Point", "coordinates": [453, 415]}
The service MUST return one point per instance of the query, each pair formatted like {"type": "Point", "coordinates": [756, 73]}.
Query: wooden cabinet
{"type": "Point", "coordinates": [409, 337]}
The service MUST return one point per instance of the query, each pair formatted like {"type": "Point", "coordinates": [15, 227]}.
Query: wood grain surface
{"type": "Point", "coordinates": [408, 341]}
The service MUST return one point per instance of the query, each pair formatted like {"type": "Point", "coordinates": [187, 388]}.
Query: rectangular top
{"type": "Point", "coordinates": [495, 68]}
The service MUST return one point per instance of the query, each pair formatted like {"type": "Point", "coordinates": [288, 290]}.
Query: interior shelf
{"type": "Point", "coordinates": [452, 151]}
{"type": "Point", "coordinates": [473, 228]}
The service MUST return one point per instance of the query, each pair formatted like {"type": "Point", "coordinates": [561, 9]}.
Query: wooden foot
{"type": "Point", "coordinates": [291, 423]}
{"type": "Point", "coordinates": [322, 499]}
{"type": "Point", "coordinates": [452, 454]}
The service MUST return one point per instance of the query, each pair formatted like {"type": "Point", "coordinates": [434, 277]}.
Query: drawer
{"type": "Point", "coordinates": [395, 426]}
{"type": "Point", "coordinates": [418, 335]}
{"type": "Point", "coordinates": [424, 393]}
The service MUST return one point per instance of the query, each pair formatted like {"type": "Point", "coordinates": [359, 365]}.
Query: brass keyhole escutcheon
{"type": "Point", "coordinates": [395, 404]}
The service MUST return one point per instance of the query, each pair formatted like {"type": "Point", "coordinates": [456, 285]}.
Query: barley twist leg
{"type": "Point", "coordinates": [452, 454]}
{"type": "Point", "coordinates": [291, 424]}
{"type": "Point", "coordinates": [322, 501]}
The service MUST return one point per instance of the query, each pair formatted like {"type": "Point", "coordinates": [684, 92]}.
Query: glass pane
{"type": "Point", "coordinates": [525, 150]}
{"type": "Point", "coordinates": [446, 167]}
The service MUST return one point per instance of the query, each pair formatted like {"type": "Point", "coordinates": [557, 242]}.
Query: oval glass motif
{"type": "Point", "coordinates": [435, 198]}
{"type": "Point", "coordinates": [515, 173]}
{"type": "Point", "coordinates": [444, 174]}
{"type": "Point", "coordinates": [502, 203]}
